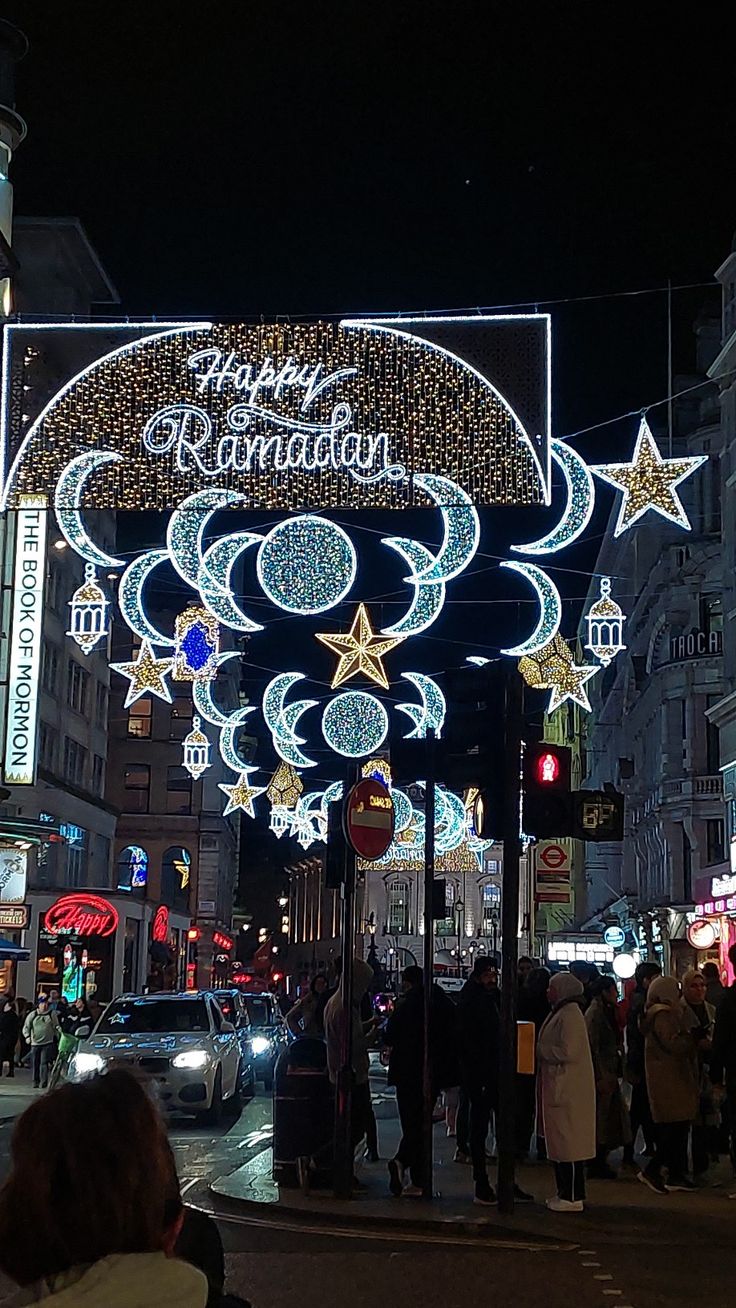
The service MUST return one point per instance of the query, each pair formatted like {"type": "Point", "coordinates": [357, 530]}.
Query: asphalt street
{"type": "Point", "coordinates": [683, 1261]}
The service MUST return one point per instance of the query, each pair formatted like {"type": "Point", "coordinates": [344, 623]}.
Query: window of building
{"type": "Point", "coordinates": [98, 773]}
{"type": "Point", "coordinates": [101, 700]}
{"type": "Point", "coordinates": [53, 588]}
{"type": "Point", "coordinates": [687, 866]}
{"type": "Point", "coordinates": [711, 614]}
{"type": "Point", "coordinates": [446, 926]}
{"type": "Point", "coordinates": [77, 686]}
{"type": "Point", "coordinates": [75, 761]}
{"type": "Point", "coordinates": [714, 844]}
{"type": "Point", "coordinates": [139, 718]}
{"type": "Point", "coordinates": [398, 908]}
{"type": "Point", "coordinates": [50, 674]}
{"type": "Point", "coordinates": [490, 907]}
{"type": "Point", "coordinates": [712, 742]}
{"type": "Point", "coordinates": [137, 784]}
{"type": "Point", "coordinates": [181, 717]}
{"type": "Point", "coordinates": [48, 746]}
{"type": "Point", "coordinates": [175, 877]}
{"type": "Point", "coordinates": [76, 865]}
{"type": "Point", "coordinates": [132, 868]}
{"type": "Point", "coordinates": [178, 790]}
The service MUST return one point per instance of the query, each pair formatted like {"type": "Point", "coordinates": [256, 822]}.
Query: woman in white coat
{"type": "Point", "coordinates": [566, 1092]}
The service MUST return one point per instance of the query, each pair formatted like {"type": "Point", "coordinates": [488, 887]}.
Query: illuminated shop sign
{"type": "Point", "coordinates": [221, 940]}
{"type": "Point", "coordinates": [160, 924]}
{"type": "Point", "coordinates": [695, 645]}
{"type": "Point", "coordinates": [19, 767]}
{"type": "Point", "coordinates": [723, 886]}
{"type": "Point", "coordinates": [13, 874]}
{"type": "Point", "coordinates": [81, 915]}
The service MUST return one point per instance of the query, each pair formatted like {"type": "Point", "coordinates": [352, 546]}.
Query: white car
{"type": "Point", "coordinates": [181, 1040]}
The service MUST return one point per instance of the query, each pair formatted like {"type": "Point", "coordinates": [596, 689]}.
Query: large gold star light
{"type": "Point", "coordinates": [360, 651]}
{"type": "Point", "coordinates": [146, 674]}
{"type": "Point", "coordinates": [649, 482]}
{"type": "Point", "coordinates": [241, 795]}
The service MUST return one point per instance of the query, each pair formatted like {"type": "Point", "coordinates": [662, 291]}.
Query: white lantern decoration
{"type": "Point", "coordinates": [605, 626]}
{"type": "Point", "coordinates": [280, 819]}
{"type": "Point", "coordinates": [88, 619]}
{"type": "Point", "coordinates": [196, 750]}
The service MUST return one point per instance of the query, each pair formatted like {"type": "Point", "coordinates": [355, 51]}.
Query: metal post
{"type": "Point", "coordinates": [429, 819]}
{"type": "Point", "coordinates": [509, 942]}
{"type": "Point", "coordinates": [344, 1160]}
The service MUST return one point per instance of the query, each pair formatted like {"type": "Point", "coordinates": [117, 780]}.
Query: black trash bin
{"type": "Point", "coordinates": [303, 1115]}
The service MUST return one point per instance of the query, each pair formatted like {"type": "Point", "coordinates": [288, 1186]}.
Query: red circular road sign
{"type": "Point", "coordinates": [553, 856]}
{"type": "Point", "coordinates": [369, 819]}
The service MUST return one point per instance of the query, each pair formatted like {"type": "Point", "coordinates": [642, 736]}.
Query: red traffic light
{"type": "Point", "coordinates": [547, 768]}
{"type": "Point", "coordinates": [193, 933]}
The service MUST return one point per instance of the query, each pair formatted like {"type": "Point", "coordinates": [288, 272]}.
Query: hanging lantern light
{"type": "Point", "coordinates": [197, 645]}
{"type": "Point", "coordinates": [605, 626]}
{"type": "Point", "coordinates": [279, 819]}
{"type": "Point", "coordinates": [88, 618]}
{"type": "Point", "coordinates": [196, 750]}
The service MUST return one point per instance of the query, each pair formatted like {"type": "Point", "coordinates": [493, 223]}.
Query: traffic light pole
{"type": "Point", "coordinates": [428, 1096]}
{"type": "Point", "coordinates": [344, 1160]}
{"type": "Point", "coordinates": [509, 942]}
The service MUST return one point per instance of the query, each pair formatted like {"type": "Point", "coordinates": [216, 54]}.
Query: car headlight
{"type": "Point", "coordinates": [86, 1064]}
{"type": "Point", "coordinates": [259, 1045]}
{"type": "Point", "coordinates": [191, 1058]}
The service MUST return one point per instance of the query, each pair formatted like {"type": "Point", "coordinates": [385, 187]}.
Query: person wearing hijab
{"type": "Point", "coordinates": [671, 1063]}
{"type": "Point", "coordinates": [566, 1089]}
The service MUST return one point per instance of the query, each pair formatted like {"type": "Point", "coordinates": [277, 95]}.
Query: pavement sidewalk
{"type": "Point", "coordinates": [614, 1207]}
{"type": "Point", "coordinates": [16, 1093]}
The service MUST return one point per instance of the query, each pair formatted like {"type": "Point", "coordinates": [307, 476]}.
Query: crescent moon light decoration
{"type": "Point", "coordinates": [403, 809]}
{"type": "Point", "coordinates": [274, 696]}
{"type": "Point", "coordinates": [551, 609]}
{"type": "Point", "coordinates": [213, 580]}
{"type": "Point", "coordinates": [429, 596]}
{"type": "Point", "coordinates": [130, 601]}
{"type": "Point", "coordinates": [330, 794]}
{"type": "Point", "coordinates": [285, 741]}
{"type": "Point", "coordinates": [202, 693]}
{"type": "Point", "coordinates": [461, 527]}
{"type": "Point", "coordinates": [68, 502]}
{"type": "Point", "coordinates": [431, 712]}
{"type": "Point", "coordinates": [454, 821]}
{"type": "Point", "coordinates": [228, 752]}
{"type": "Point", "coordinates": [578, 508]}
{"type": "Point", "coordinates": [186, 528]}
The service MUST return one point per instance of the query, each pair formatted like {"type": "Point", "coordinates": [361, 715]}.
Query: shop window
{"type": "Point", "coordinates": [77, 686]}
{"type": "Point", "coordinates": [137, 783]}
{"type": "Point", "coordinates": [139, 718]}
{"type": "Point", "coordinates": [178, 790]}
{"type": "Point", "coordinates": [50, 675]}
{"type": "Point", "coordinates": [75, 761]}
{"type": "Point", "coordinates": [398, 908]}
{"type": "Point", "coordinates": [175, 877]}
{"type": "Point", "coordinates": [181, 717]}
{"type": "Point", "coordinates": [714, 845]}
{"type": "Point", "coordinates": [132, 868]}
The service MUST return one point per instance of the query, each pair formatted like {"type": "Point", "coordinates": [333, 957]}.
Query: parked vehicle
{"type": "Point", "coordinates": [268, 1034]}
{"type": "Point", "coordinates": [234, 1009]}
{"type": "Point", "coordinates": [190, 1051]}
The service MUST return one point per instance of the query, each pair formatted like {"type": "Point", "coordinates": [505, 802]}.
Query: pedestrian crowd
{"type": "Point", "coordinates": [43, 1036]}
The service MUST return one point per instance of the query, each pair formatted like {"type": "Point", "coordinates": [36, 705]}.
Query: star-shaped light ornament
{"type": "Point", "coordinates": [147, 675]}
{"type": "Point", "coordinates": [649, 482]}
{"type": "Point", "coordinates": [361, 651]}
{"type": "Point", "coordinates": [241, 795]}
{"type": "Point", "coordinates": [553, 668]}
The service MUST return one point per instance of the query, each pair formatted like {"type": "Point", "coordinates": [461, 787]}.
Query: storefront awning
{"type": "Point", "coordinates": [11, 952]}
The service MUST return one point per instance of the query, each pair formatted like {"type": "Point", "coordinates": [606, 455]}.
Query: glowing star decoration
{"type": "Point", "coordinates": [649, 482]}
{"type": "Point", "coordinates": [355, 724]}
{"type": "Point", "coordinates": [197, 644]}
{"type": "Point", "coordinates": [242, 794]}
{"type": "Point", "coordinates": [214, 580]}
{"type": "Point", "coordinates": [306, 564]}
{"type": "Point", "coordinates": [146, 674]}
{"type": "Point", "coordinates": [196, 749]}
{"type": "Point", "coordinates": [88, 616]}
{"type": "Point", "coordinates": [130, 597]}
{"type": "Point", "coordinates": [550, 605]}
{"type": "Point", "coordinates": [360, 651]}
{"type": "Point", "coordinates": [285, 786]}
{"type": "Point", "coordinates": [579, 505]}
{"type": "Point", "coordinates": [431, 713]}
{"type": "Point", "coordinates": [68, 503]}
{"type": "Point", "coordinates": [461, 527]}
{"type": "Point", "coordinates": [553, 668]}
{"type": "Point", "coordinates": [429, 596]}
{"type": "Point", "coordinates": [605, 626]}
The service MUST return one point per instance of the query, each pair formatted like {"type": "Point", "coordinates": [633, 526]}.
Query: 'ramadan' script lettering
{"type": "Point", "coordinates": [256, 437]}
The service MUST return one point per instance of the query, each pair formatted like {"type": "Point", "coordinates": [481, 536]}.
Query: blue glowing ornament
{"type": "Point", "coordinates": [578, 508]}
{"type": "Point", "coordinates": [355, 724]}
{"type": "Point", "coordinates": [550, 606]}
{"type": "Point", "coordinates": [306, 564]}
{"type": "Point", "coordinates": [197, 645]}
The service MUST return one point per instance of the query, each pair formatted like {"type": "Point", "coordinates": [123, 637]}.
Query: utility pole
{"type": "Point", "coordinates": [429, 820]}
{"type": "Point", "coordinates": [509, 941]}
{"type": "Point", "coordinates": [344, 1160]}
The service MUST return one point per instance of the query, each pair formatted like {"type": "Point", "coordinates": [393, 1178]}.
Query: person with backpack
{"type": "Point", "coordinates": [41, 1030]}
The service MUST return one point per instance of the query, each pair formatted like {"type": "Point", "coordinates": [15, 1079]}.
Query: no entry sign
{"type": "Point", "coordinates": [369, 819]}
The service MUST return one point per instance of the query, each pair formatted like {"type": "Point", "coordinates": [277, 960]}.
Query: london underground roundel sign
{"type": "Point", "coordinates": [369, 819]}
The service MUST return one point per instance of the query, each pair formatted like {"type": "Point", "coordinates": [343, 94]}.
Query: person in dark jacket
{"type": "Point", "coordinates": [404, 1036]}
{"type": "Point", "coordinates": [640, 1112]}
{"type": "Point", "coordinates": [9, 1032]}
{"type": "Point", "coordinates": [714, 988]}
{"type": "Point", "coordinates": [611, 1118]}
{"type": "Point", "coordinates": [723, 1054]}
{"type": "Point", "coordinates": [533, 1007]}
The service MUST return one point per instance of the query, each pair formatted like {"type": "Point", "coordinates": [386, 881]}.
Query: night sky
{"type": "Point", "coordinates": [320, 159]}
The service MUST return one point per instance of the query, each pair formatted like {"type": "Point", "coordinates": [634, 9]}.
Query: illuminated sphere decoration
{"type": "Point", "coordinates": [355, 724]}
{"type": "Point", "coordinates": [306, 564]}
